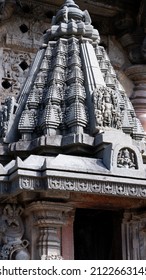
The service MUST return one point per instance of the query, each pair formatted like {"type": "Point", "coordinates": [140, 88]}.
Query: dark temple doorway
{"type": "Point", "coordinates": [97, 235]}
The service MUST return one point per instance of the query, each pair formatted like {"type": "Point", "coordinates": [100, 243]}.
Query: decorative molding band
{"type": "Point", "coordinates": [79, 185]}
{"type": "Point", "coordinates": [98, 187]}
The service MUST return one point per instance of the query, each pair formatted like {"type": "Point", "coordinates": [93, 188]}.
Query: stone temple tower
{"type": "Point", "coordinates": [71, 151]}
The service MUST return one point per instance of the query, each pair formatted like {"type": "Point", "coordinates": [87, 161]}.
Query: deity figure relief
{"type": "Point", "coordinates": [108, 106]}
{"type": "Point", "coordinates": [107, 110]}
{"type": "Point", "coordinates": [6, 111]}
{"type": "Point", "coordinates": [99, 118]}
{"type": "Point", "coordinates": [126, 159]}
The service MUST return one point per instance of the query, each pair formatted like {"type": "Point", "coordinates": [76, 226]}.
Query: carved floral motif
{"type": "Point", "coordinates": [97, 186]}
{"type": "Point", "coordinates": [51, 257]}
{"type": "Point", "coordinates": [29, 183]}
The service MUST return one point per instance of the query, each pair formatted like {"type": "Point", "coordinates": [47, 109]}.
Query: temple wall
{"type": "Point", "coordinates": [20, 38]}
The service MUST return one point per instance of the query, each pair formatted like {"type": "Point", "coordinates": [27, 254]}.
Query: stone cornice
{"type": "Point", "coordinates": [20, 179]}
{"type": "Point", "coordinates": [133, 189]}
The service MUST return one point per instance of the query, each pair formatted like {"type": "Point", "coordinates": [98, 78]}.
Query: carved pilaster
{"type": "Point", "coordinates": [68, 237]}
{"type": "Point", "coordinates": [49, 218]}
{"type": "Point", "coordinates": [137, 74]}
{"type": "Point", "coordinates": [134, 236]}
{"type": "Point", "coordinates": [49, 243]}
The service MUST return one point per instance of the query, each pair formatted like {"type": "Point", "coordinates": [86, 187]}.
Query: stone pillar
{"type": "Point", "coordinates": [134, 236]}
{"type": "Point", "coordinates": [137, 73]}
{"type": "Point", "coordinates": [68, 237]}
{"type": "Point", "coordinates": [49, 246]}
{"type": "Point", "coordinates": [48, 220]}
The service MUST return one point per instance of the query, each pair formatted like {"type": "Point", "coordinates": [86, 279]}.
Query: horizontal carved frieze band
{"type": "Point", "coordinates": [79, 185]}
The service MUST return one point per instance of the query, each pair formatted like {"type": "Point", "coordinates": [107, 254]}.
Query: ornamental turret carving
{"type": "Point", "coordinates": [70, 141]}
{"type": "Point", "coordinates": [72, 87]}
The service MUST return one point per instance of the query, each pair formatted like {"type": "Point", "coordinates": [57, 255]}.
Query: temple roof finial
{"type": "Point", "coordinates": [70, 3]}
{"type": "Point", "coordinates": [69, 10]}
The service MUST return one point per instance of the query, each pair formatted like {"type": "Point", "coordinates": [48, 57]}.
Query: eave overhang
{"type": "Point", "coordinates": [43, 175]}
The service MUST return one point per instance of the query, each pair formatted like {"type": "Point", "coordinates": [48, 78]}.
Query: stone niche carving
{"type": "Point", "coordinates": [107, 110]}
{"type": "Point", "coordinates": [12, 246]}
{"type": "Point", "coordinates": [127, 159]}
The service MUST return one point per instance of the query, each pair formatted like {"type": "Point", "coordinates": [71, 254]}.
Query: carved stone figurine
{"type": "Point", "coordinates": [126, 159]}
{"type": "Point", "coordinates": [106, 107]}
{"type": "Point", "coordinates": [65, 13]}
{"type": "Point", "coordinates": [11, 232]}
{"type": "Point", "coordinates": [6, 112]}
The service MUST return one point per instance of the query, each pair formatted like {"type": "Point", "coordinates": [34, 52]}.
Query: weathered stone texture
{"type": "Point", "coordinates": [69, 134]}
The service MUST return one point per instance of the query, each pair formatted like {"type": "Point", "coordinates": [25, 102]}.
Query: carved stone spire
{"type": "Point", "coordinates": [71, 89]}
